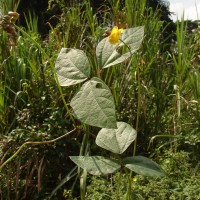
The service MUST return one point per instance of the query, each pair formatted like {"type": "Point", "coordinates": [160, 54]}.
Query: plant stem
{"type": "Point", "coordinates": [128, 195]}
{"type": "Point", "coordinates": [118, 185]}
{"type": "Point", "coordinates": [84, 151]}
{"type": "Point", "coordinates": [34, 143]}
{"type": "Point", "coordinates": [138, 109]}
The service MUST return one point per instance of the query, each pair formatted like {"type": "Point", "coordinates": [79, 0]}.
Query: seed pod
{"type": "Point", "coordinates": [14, 16]}
{"type": "Point", "coordinates": [10, 29]}
{"type": "Point", "coordinates": [6, 19]}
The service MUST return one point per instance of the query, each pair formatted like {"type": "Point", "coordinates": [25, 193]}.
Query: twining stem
{"type": "Point", "coordinates": [138, 109]}
{"type": "Point", "coordinates": [128, 193]}
{"type": "Point", "coordinates": [35, 143]}
{"type": "Point", "coordinates": [138, 100]}
{"type": "Point", "coordinates": [137, 125]}
{"type": "Point", "coordinates": [118, 185]}
{"type": "Point", "coordinates": [84, 151]}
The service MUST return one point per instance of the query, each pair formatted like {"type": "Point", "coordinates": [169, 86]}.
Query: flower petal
{"type": "Point", "coordinates": [115, 35]}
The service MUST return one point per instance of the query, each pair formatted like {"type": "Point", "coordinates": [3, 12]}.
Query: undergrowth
{"type": "Point", "coordinates": [32, 106]}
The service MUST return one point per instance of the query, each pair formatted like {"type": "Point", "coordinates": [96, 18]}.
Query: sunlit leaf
{"type": "Point", "coordinates": [96, 165]}
{"type": "Point", "coordinates": [109, 54]}
{"type": "Point", "coordinates": [116, 140]}
{"type": "Point", "coordinates": [94, 104]}
{"type": "Point", "coordinates": [72, 67]}
{"type": "Point", "coordinates": [143, 166]}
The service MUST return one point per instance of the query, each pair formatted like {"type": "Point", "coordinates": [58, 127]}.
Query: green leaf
{"type": "Point", "coordinates": [94, 104]}
{"type": "Point", "coordinates": [96, 165]}
{"type": "Point", "coordinates": [116, 140]}
{"type": "Point", "coordinates": [143, 166]}
{"type": "Point", "coordinates": [72, 67]}
{"type": "Point", "coordinates": [109, 54]}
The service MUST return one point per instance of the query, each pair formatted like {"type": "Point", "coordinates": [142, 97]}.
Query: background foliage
{"type": "Point", "coordinates": [32, 109]}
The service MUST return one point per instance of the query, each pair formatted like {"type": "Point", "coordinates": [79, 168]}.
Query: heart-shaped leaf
{"type": "Point", "coordinates": [143, 166]}
{"type": "Point", "coordinates": [72, 67]}
{"type": "Point", "coordinates": [96, 165]}
{"type": "Point", "coordinates": [94, 104]}
{"type": "Point", "coordinates": [109, 54]}
{"type": "Point", "coordinates": [116, 140]}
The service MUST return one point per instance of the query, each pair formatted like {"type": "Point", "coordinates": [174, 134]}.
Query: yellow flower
{"type": "Point", "coordinates": [115, 35]}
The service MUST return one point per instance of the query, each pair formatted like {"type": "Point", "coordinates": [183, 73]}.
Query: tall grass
{"type": "Point", "coordinates": [156, 91]}
{"type": "Point", "coordinates": [9, 5]}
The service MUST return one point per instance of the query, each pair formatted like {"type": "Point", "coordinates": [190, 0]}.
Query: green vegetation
{"type": "Point", "coordinates": [82, 118]}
